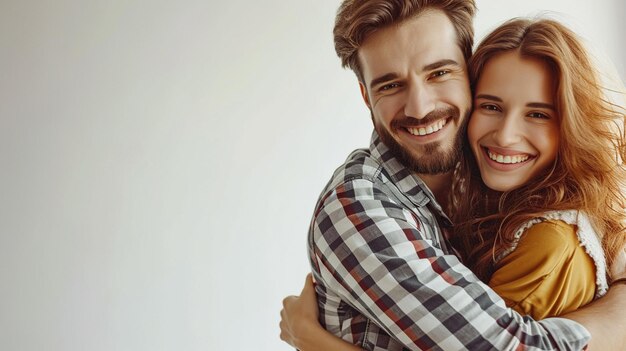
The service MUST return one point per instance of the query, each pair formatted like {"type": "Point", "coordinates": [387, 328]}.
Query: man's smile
{"type": "Point", "coordinates": [428, 129]}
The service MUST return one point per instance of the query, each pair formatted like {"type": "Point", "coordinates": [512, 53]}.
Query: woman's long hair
{"type": "Point", "coordinates": [588, 173]}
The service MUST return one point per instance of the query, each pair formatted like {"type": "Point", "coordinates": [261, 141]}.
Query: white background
{"type": "Point", "coordinates": [159, 162]}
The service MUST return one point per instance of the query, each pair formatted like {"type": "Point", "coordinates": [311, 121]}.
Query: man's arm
{"type": "Point", "coordinates": [605, 319]}
{"type": "Point", "coordinates": [372, 253]}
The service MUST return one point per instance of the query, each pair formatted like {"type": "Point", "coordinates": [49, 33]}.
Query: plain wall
{"type": "Point", "coordinates": [160, 160]}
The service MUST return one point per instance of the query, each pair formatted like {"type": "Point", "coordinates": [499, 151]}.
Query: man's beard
{"type": "Point", "coordinates": [433, 158]}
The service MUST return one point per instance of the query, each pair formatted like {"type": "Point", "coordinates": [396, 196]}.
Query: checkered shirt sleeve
{"type": "Point", "coordinates": [385, 283]}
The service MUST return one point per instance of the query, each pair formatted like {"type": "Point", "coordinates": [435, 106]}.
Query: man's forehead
{"type": "Point", "coordinates": [411, 45]}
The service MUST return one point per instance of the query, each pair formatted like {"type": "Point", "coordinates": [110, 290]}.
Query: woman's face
{"type": "Point", "coordinates": [514, 130]}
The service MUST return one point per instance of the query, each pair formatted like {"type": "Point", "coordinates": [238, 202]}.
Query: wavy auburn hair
{"type": "Point", "coordinates": [588, 173]}
{"type": "Point", "coordinates": [357, 19]}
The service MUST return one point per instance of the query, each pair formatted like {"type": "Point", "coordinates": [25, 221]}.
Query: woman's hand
{"type": "Point", "coordinates": [299, 315]}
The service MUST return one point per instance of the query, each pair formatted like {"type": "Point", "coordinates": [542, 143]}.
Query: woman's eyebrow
{"type": "Point", "coordinates": [541, 105]}
{"type": "Point", "coordinates": [488, 97]}
{"type": "Point", "coordinates": [530, 104]}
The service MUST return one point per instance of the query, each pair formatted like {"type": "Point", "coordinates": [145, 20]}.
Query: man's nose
{"type": "Point", "coordinates": [420, 101]}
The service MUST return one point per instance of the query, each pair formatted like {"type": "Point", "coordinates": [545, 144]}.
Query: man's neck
{"type": "Point", "coordinates": [440, 185]}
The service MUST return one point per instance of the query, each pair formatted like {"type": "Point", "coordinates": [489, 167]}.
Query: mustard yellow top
{"type": "Point", "coordinates": [548, 274]}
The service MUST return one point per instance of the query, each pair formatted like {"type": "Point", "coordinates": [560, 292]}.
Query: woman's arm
{"type": "Point", "coordinates": [299, 325]}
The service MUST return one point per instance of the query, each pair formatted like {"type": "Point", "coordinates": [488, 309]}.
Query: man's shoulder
{"type": "Point", "coordinates": [360, 164]}
{"type": "Point", "coordinates": [360, 177]}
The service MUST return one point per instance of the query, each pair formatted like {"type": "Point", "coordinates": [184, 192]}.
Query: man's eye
{"type": "Point", "coordinates": [389, 86]}
{"type": "Point", "coordinates": [439, 73]}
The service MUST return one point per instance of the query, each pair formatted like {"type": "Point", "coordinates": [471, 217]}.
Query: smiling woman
{"type": "Point", "coordinates": [514, 128]}
{"type": "Point", "coordinates": [538, 208]}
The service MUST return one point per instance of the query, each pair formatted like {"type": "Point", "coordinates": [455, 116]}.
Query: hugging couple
{"type": "Point", "coordinates": [488, 212]}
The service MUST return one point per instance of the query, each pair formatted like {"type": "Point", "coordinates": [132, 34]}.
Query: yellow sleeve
{"type": "Point", "coordinates": [548, 274]}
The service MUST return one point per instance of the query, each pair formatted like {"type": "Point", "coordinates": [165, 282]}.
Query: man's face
{"type": "Point", "coordinates": [417, 89]}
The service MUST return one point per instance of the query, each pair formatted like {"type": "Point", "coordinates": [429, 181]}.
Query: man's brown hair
{"type": "Point", "coordinates": [357, 19]}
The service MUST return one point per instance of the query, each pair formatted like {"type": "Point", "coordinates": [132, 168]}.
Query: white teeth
{"type": "Point", "coordinates": [507, 159]}
{"type": "Point", "coordinates": [435, 127]}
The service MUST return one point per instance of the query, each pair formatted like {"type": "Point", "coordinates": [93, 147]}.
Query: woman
{"type": "Point", "coordinates": [537, 198]}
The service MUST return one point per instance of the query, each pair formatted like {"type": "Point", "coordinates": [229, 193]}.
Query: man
{"type": "Point", "coordinates": [386, 279]}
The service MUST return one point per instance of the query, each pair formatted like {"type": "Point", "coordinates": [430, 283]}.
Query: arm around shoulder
{"type": "Point", "coordinates": [605, 320]}
{"type": "Point", "coordinates": [372, 254]}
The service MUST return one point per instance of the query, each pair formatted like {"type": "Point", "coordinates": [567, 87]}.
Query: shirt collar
{"type": "Point", "coordinates": [407, 182]}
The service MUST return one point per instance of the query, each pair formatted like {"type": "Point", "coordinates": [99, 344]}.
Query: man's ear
{"type": "Point", "coordinates": [366, 98]}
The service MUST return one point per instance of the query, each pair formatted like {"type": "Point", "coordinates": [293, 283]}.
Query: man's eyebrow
{"type": "Point", "coordinates": [382, 79]}
{"type": "Point", "coordinates": [488, 97]}
{"type": "Point", "coordinates": [541, 105]}
{"type": "Point", "coordinates": [429, 67]}
{"type": "Point", "coordinates": [439, 64]}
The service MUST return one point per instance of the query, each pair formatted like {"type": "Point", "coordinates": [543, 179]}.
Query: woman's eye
{"type": "Point", "coordinates": [538, 115]}
{"type": "Point", "coordinates": [490, 107]}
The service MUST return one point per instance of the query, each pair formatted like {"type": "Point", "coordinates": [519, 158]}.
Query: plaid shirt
{"type": "Point", "coordinates": [387, 281]}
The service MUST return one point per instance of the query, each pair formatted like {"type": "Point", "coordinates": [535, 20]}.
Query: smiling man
{"type": "Point", "coordinates": [386, 278]}
{"type": "Point", "coordinates": [417, 91]}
